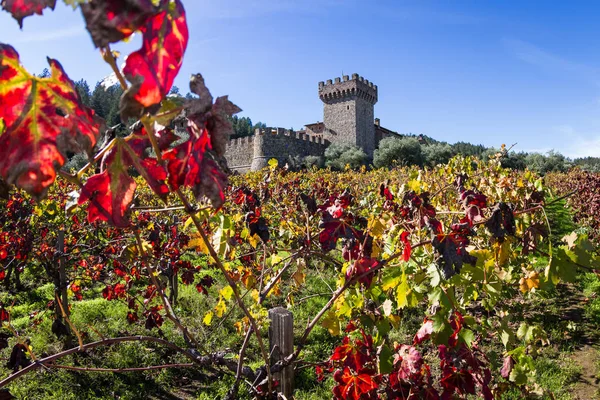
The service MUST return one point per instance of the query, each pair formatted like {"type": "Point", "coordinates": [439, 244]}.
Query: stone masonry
{"type": "Point", "coordinates": [348, 111]}
{"type": "Point", "coordinates": [348, 118]}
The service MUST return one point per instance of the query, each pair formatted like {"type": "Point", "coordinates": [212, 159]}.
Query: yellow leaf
{"type": "Point", "coordinates": [275, 259]}
{"type": "Point", "coordinates": [208, 318]}
{"type": "Point", "coordinates": [402, 292]}
{"type": "Point", "coordinates": [414, 185]}
{"type": "Point", "coordinates": [239, 327]}
{"type": "Point", "coordinates": [226, 292]}
{"type": "Point", "coordinates": [273, 163]}
{"type": "Point", "coordinates": [532, 281]}
{"type": "Point", "coordinates": [187, 224]}
{"type": "Point", "coordinates": [375, 227]}
{"type": "Point", "coordinates": [254, 240]}
{"type": "Point", "coordinates": [220, 308]}
{"type": "Point", "coordinates": [331, 323]}
{"type": "Point", "coordinates": [299, 277]}
{"type": "Point", "coordinates": [255, 295]}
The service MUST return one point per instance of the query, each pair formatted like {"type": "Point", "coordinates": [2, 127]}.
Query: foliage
{"type": "Point", "coordinates": [454, 245]}
{"type": "Point", "coordinates": [337, 156]}
{"type": "Point", "coordinates": [242, 126]}
{"type": "Point", "coordinates": [590, 164]}
{"type": "Point", "coordinates": [552, 162]}
{"type": "Point", "coordinates": [583, 191]}
{"type": "Point", "coordinates": [437, 153]}
{"type": "Point", "coordinates": [398, 151]}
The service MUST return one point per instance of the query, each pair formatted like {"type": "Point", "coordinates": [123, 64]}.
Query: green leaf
{"type": "Point", "coordinates": [386, 360]}
{"type": "Point", "coordinates": [434, 274]}
{"type": "Point", "coordinates": [518, 375]}
{"type": "Point", "coordinates": [391, 279]}
{"type": "Point", "coordinates": [467, 336]}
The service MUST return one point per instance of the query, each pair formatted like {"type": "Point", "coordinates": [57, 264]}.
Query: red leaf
{"type": "Point", "coordinates": [4, 315]}
{"type": "Point", "coordinates": [110, 194]}
{"type": "Point", "coordinates": [135, 156]}
{"type": "Point", "coordinates": [213, 117]}
{"type": "Point", "coordinates": [119, 290]}
{"type": "Point", "coordinates": [2, 275]}
{"type": "Point", "coordinates": [24, 8]}
{"type": "Point", "coordinates": [132, 317]}
{"type": "Point", "coordinates": [424, 332]}
{"type": "Point", "coordinates": [187, 277]}
{"type": "Point", "coordinates": [360, 267]}
{"type": "Point", "coordinates": [407, 247]}
{"type": "Point", "coordinates": [408, 360]}
{"type": "Point", "coordinates": [107, 293]}
{"type": "Point", "coordinates": [354, 387]}
{"type": "Point", "coordinates": [193, 164]}
{"type": "Point", "coordinates": [507, 367]}
{"type": "Point", "coordinates": [110, 21]}
{"type": "Point", "coordinates": [153, 68]}
{"type": "Point", "coordinates": [44, 119]}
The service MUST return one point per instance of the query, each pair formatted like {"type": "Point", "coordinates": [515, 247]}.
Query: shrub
{"type": "Point", "coordinates": [337, 156]}
{"type": "Point", "coordinates": [436, 153]}
{"type": "Point", "coordinates": [316, 161]}
{"type": "Point", "coordinates": [403, 151]}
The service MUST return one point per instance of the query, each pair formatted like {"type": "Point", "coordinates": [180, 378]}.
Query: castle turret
{"type": "Point", "coordinates": [348, 111]}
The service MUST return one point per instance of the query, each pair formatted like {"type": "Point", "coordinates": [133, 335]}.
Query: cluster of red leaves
{"type": "Point", "coordinates": [16, 239]}
{"type": "Point", "coordinates": [251, 206]}
{"type": "Point", "coordinates": [51, 107]}
{"type": "Point", "coordinates": [416, 211]}
{"type": "Point", "coordinates": [25, 8]}
{"type": "Point", "coordinates": [44, 119]}
{"type": "Point", "coordinates": [355, 368]}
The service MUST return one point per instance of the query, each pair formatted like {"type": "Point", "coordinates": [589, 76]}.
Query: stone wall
{"type": "Point", "coordinates": [240, 153]}
{"type": "Point", "coordinates": [253, 153]}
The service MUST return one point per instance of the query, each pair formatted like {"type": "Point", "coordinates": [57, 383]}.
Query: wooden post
{"type": "Point", "coordinates": [62, 287]}
{"type": "Point", "coordinates": [281, 345]}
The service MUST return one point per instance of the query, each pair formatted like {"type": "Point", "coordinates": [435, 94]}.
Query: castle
{"type": "Point", "coordinates": [348, 118]}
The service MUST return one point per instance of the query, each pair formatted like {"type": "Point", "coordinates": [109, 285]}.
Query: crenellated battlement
{"type": "Point", "coordinates": [347, 87]}
{"type": "Point", "coordinates": [290, 134]}
{"type": "Point", "coordinates": [253, 152]}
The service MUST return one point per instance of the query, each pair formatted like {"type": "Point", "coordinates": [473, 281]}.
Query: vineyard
{"type": "Point", "coordinates": [153, 273]}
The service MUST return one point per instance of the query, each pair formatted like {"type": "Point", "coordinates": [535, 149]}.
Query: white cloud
{"type": "Point", "coordinates": [58, 34]}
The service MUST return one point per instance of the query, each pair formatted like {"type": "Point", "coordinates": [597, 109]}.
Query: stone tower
{"type": "Point", "coordinates": [348, 111]}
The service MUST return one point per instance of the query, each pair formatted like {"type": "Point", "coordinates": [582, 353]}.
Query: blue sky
{"type": "Point", "coordinates": [480, 71]}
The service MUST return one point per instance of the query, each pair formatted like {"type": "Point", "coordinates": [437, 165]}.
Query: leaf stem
{"type": "Point", "coordinates": [109, 57]}
{"type": "Point", "coordinates": [232, 284]}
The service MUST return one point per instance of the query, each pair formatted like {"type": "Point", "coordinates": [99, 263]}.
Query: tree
{"type": "Point", "coordinates": [468, 149]}
{"type": "Point", "coordinates": [337, 156]}
{"type": "Point", "coordinates": [552, 162]}
{"type": "Point", "coordinates": [105, 102]}
{"type": "Point", "coordinates": [402, 151]}
{"type": "Point", "coordinates": [516, 161]}
{"type": "Point", "coordinates": [438, 153]}
{"type": "Point", "coordinates": [84, 92]}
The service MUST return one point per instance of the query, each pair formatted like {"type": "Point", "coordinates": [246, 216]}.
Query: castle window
{"type": "Point", "coordinates": [347, 107]}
